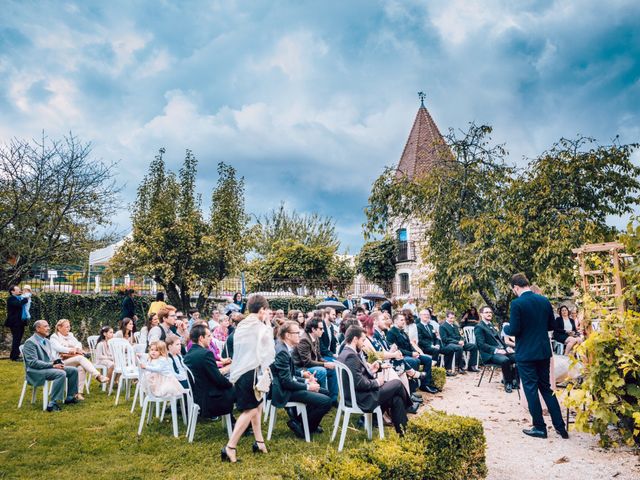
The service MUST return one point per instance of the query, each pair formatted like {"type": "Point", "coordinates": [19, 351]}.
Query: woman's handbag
{"type": "Point", "coordinates": [261, 384]}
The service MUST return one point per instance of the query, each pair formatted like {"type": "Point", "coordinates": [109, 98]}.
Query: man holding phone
{"type": "Point", "coordinates": [40, 368]}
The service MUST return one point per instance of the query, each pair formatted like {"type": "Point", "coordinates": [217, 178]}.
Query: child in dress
{"type": "Point", "coordinates": [159, 376]}
{"type": "Point", "coordinates": [179, 368]}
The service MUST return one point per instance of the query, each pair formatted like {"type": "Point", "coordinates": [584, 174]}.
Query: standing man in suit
{"type": "Point", "coordinates": [37, 358]}
{"type": "Point", "coordinates": [371, 388]}
{"type": "Point", "coordinates": [451, 338]}
{"type": "Point", "coordinates": [349, 304]}
{"type": "Point", "coordinates": [493, 349]}
{"type": "Point", "coordinates": [287, 386]}
{"type": "Point", "coordinates": [14, 320]}
{"type": "Point", "coordinates": [328, 341]}
{"type": "Point", "coordinates": [530, 320]}
{"type": "Point", "coordinates": [212, 391]}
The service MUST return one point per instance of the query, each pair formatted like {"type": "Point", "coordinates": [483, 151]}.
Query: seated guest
{"type": "Point", "coordinates": [428, 341]}
{"type": "Point", "coordinates": [167, 317]}
{"type": "Point", "coordinates": [214, 321]}
{"type": "Point", "coordinates": [159, 376]}
{"type": "Point", "coordinates": [470, 318]}
{"type": "Point", "coordinates": [410, 326]}
{"type": "Point", "coordinates": [396, 335]}
{"type": "Point", "coordinates": [394, 356]}
{"type": "Point", "coordinates": [126, 331]}
{"type": "Point", "coordinates": [104, 356]}
{"type": "Point", "coordinates": [307, 355]}
{"type": "Point", "coordinates": [177, 362]}
{"type": "Point", "coordinates": [451, 338]}
{"type": "Point", "coordinates": [41, 367]}
{"type": "Point", "coordinates": [223, 363]}
{"type": "Point", "coordinates": [371, 388]}
{"type": "Point", "coordinates": [296, 316]}
{"type": "Point", "coordinates": [152, 321]}
{"type": "Point", "coordinates": [565, 330]}
{"type": "Point", "coordinates": [287, 386]}
{"type": "Point", "coordinates": [221, 333]}
{"type": "Point", "coordinates": [494, 350]}
{"type": "Point", "coordinates": [67, 348]}
{"type": "Point", "coordinates": [344, 325]}
{"type": "Point", "coordinates": [212, 392]}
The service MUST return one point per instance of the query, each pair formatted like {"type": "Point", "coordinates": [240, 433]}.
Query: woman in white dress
{"type": "Point", "coordinates": [67, 348]}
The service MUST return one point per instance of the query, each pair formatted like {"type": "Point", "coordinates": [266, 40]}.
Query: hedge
{"type": "Point", "coordinates": [436, 446]}
{"type": "Point", "coordinates": [88, 313]}
{"type": "Point", "coordinates": [439, 377]}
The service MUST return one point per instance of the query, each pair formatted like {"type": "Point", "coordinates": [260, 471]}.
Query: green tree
{"type": "Point", "coordinates": [485, 220]}
{"type": "Point", "coordinates": [313, 230]}
{"type": "Point", "coordinates": [54, 200]}
{"type": "Point", "coordinates": [172, 243]}
{"type": "Point", "coordinates": [376, 261]}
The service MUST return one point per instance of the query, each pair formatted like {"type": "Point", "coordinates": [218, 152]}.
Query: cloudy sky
{"type": "Point", "coordinates": [310, 100]}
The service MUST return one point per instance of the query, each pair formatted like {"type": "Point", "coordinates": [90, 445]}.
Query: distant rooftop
{"type": "Point", "coordinates": [425, 146]}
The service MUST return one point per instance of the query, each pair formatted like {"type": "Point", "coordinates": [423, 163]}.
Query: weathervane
{"type": "Point", "coordinates": [421, 96]}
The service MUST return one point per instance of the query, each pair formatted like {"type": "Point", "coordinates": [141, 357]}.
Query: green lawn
{"type": "Point", "coordinates": [96, 440]}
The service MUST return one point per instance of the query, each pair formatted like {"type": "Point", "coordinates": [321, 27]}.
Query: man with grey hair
{"type": "Point", "coordinates": [40, 368]}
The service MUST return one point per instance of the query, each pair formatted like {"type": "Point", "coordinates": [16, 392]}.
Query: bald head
{"type": "Point", "coordinates": [41, 327]}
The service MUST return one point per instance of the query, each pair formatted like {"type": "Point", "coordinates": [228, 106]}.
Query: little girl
{"type": "Point", "coordinates": [103, 352]}
{"type": "Point", "coordinates": [160, 378]}
{"type": "Point", "coordinates": [179, 368]}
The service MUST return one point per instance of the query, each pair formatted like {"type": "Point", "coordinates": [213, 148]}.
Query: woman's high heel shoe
{"type": "Point", "coordinates": [224, 456]}
{"type": "Point", "coordinates": [256, 448]}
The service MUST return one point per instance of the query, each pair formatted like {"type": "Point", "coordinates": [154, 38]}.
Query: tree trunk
{"type": "Point", "coordinates": [203, 296]}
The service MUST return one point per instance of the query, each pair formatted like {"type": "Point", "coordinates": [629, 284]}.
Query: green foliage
{"type": "Point", "coordinates": [436, 446]}
{"type": "Point", "coordinates": [311, 230]}
{"type": "Point", "coordinates": [485, 221]}
{"type": "Point", "coordinates": [376, 261]}
{"type": "Point", "coordinates": [172, 243]}
{"type": "Point", "coordinates": [610, 392]}
{"type": "Point", "coordinates": [631, 274]}
{"type": "Point", "coordinates": [54, 197]}
{"type": "Point", "coordinates": [439, 376]}
{"type": "Point", "coordinates": [304, 304]}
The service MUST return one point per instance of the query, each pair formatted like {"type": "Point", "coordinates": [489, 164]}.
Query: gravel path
{"type": "Point", "coordinates": [513, 455]}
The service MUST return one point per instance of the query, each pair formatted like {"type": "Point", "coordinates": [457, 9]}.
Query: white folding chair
{"type": "Point", "coordinates": [92, 341]}
{"type": "Point", "coordinates": [343, 372]}
{"type": "Point", "coordinates": [301, 408]}
{"type": "Point", "coordinates": [125, 365]}
{"type": "Point", "coordinates": [45, 387]}
{"type": "Point", "coordinates": [470, 337]}
{"type": "Point", "coordinates": [136, 337]}
{"type": "Point", "coordinates": [193, 420]}
{"type": "Point", "coordinates": [150, 398]}
{"type": "Point", "coordinates": [558, 348]}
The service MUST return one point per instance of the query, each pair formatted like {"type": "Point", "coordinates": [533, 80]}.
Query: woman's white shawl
{"type": "Point", "coordinates": [253, 347]}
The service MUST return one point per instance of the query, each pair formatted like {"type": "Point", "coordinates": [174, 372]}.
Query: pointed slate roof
{"type": "Point", "coordinates": [425, 147]}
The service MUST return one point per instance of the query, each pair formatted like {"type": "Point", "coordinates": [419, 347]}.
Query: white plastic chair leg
{"type": "Point", "coordinates": [24, 390]}
{"type": "Point", "coordinates": [227, 420]}
{"type": "Point", "coordinates": [305, 424]}
{"type": "Point", "coordinates": [193, 420]}
{"type": "Point", "coordinates": [336, 424]}
{"type": "Point", "coordinates": [136, 394]}
{"type": "Point", "coordinates": [34, 393]}
{"type": "Point", "coordinates": [174, 416]}
{"type": "Point", "coordinates": [368, 425]}
{"type": "Point", "coordinates": [46, 389]}
{"type": "Point", "coordinates": [272, 421]}
{"type": "Point", "coordinates": [380, 422]}
{"type": "Point", "coordinates": [343, 434]}
{"type": "Point", "coordinates": [113, 376]}
{"type": "Point", "coordinates": [267, 408]}
{"type": "Point", "coordinates": [183, 410]}
{"type": "Point", "coordinates": [145, 405]}
{"type": "Point", "coordinates": [164, 408]}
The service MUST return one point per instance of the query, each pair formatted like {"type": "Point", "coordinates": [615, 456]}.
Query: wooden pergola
{"type": "Point", "coordinates": [601, 283]}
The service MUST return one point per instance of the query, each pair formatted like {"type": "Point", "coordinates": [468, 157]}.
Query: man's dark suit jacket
{"type": "Point", "coordinates": [386, 307]}
{"type": "Point", "coordinates": [14, 311]}
{"type": "Point", "coordinates": [401, 339]}
{"type": "Point", "coordinates": [487, 340]}
{"type": "Point", "coordinates": [450, 334]}
{"type": "Point", "coordinates": [367, 388]}
{"type": "Point", "coordinates": [530, 318]}
{"type": "Point", "coordinates": [211, 390]}
{"type": "Point", "coordinates": [307, 352]}
{"type": "Point", "coordinates": [427, 339]}
{"type": "Point", "coordinates": [285, 377]}
{"type": "Point", "coordinates": [328, 346]}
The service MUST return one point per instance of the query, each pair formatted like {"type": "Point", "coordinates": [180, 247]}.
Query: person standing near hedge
{"type": "Point", "coordinates": [156, 306]}
{"type": "Point", "coordinates": [530, 320]}
{"type": "Point", "coordinates": [14, 321]}
{"type": "Point", "coordinates": [128, 306]}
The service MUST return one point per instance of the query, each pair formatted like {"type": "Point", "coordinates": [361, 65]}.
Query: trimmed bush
{"type": "Point", "coordinates": [306, 304]}
{"type": "Point", "coordinates": [436, 446]}
{"type": "Point", "coordinates": [439, 377]}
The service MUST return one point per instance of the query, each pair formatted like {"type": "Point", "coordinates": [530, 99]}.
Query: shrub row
{"type": "Point", "coordinates": [436, 446]}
